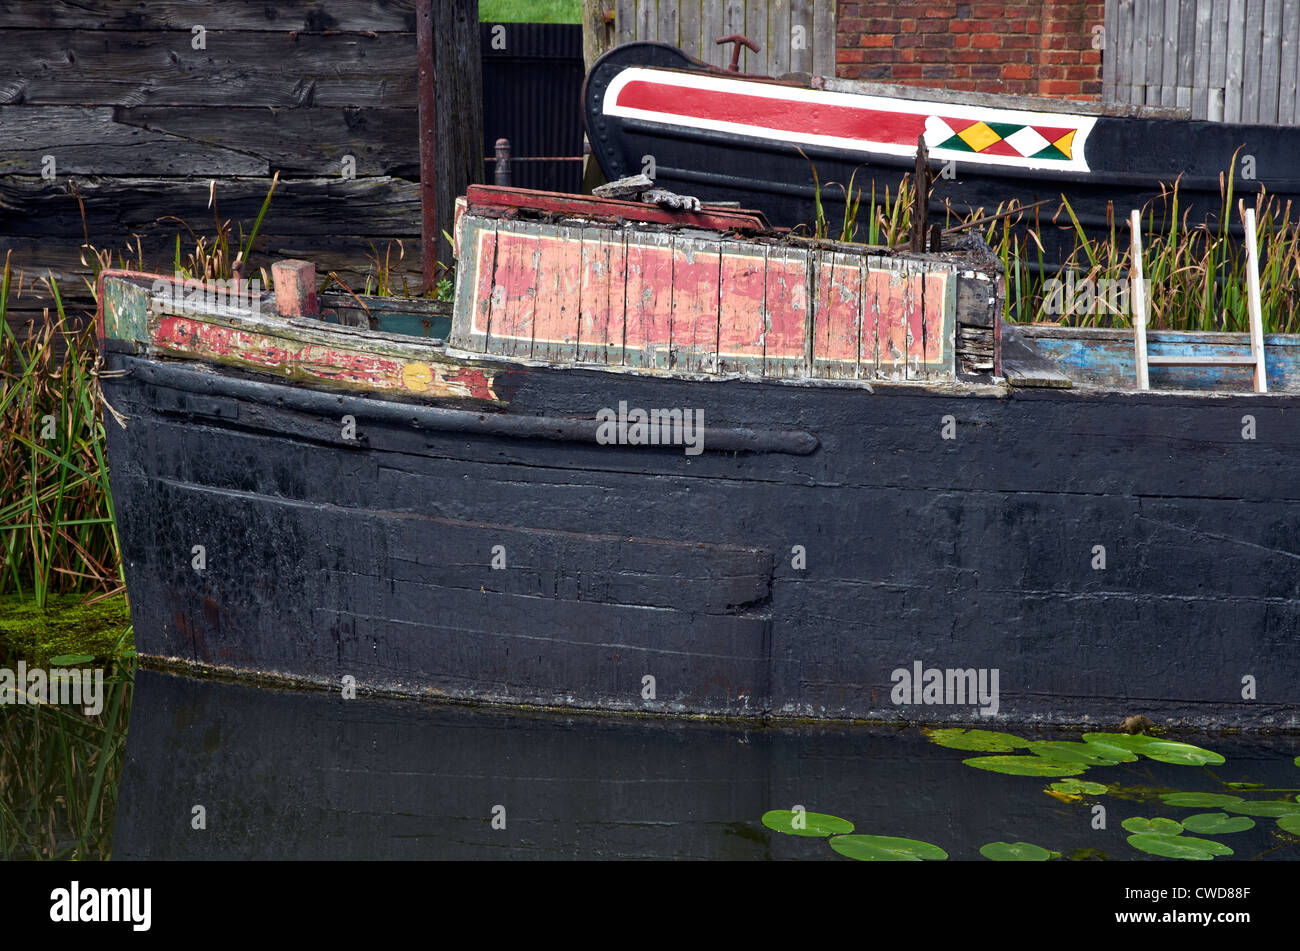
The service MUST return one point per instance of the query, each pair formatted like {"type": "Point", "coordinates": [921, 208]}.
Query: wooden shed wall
{"type": "Point", "coordinates": [140, 123]}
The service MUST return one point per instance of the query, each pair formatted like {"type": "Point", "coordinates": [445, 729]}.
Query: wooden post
{"type": "Point", "coordinates": [1139, 303]}
{"type": "Point", "coordinates": [1252, 295]}
{"type": "Point", "coordinates": [451, 135]}
{"type": "Point", "coordinates": [295, 288]}
{"type": "Point", "coordinates": [598, 25]}
{"type": "Point", "coordinates": [921, 203]}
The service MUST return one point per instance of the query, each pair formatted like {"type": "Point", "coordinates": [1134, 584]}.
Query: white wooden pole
{"type": "Point", "coordinates": [1139, 302]}
{"type": "Point", "coordinates": [1256, 311]}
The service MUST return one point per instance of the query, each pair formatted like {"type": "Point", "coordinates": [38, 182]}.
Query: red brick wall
{"type": "Point", "coordinates": [1043, 48]}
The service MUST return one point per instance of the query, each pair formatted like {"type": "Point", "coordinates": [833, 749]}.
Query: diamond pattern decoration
{"type": "Point", "coordinates": [1009, 138]}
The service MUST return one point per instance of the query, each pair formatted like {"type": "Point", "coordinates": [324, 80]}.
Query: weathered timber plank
{"type": "Point", "coordinates": [787, 306]}
{"type": "Point", "coordinates": [713, 24]}
{"type": "Point", "coordinates": [1270, 63]}
{"type": "Point", "coordinates": [120, 206]}
{"type": "Point", "coordinates": [741, 299]}
{"type": "Point", "coordinates": [310, 16]}
{"type": "Point", "coordinates": [82, 140]}
{"type": "Point", "coordinates": [559, 290]}
{"type": "Point", "coordinates": [515, 290]}
{"type": "Point", "coordinates": [600, 326]}
{"type": "Point", "coordinates": [837, 305]}
{"type": "Point", "coordinates": [131, 68]}
{"type": "Point", "coordinates": [311, 141]}
{"type": "Point", "coordinates": [471, 319]}
{"type": "Point", "coordinates": [822, 36]}
{"type": "Point", "coordinates": [649, 300]}
{"type": "Point", "coordinates": [801, 36]}
{"type": "Point", "coordinates": [696, 265]}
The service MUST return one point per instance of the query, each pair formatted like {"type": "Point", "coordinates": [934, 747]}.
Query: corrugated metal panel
{"type": "Point", "coordinates": [532, 95]}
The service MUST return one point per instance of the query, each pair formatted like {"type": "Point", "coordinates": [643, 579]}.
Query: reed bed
{"type": "Point", "coordinates": [1196, 270]}
{"type": "Point", "coordinates": [56, 513]}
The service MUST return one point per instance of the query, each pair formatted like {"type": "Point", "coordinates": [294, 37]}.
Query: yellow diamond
{"type": "Point", "coordinates": [979, 136]}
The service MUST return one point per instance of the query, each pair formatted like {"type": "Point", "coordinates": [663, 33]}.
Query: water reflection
{"type": "Point", "coordinates": [285, 774]}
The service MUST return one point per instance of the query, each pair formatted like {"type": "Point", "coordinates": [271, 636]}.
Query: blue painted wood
{"type": "Point", "coordinates": [1105, 357]}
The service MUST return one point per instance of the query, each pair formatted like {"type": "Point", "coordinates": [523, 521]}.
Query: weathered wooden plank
{"type": "Point", "coordinates": [1110, 21]}
{"type": "Point", "coordinates": [1169, 55]}
{"type": "Point", "coordinates": [1141, 16]}
{"type": "Point", "coordinates": [119, 206]}
{"type": "Point", "coordinates": [1118, 51]}
{"type": "Point", "coordinates": [649, 300]}
{"type": "Point", "coordinates": [559, 292]}
{"type": "Point", "coordinates": [939, 322]}
{"type": "Point", "coordinates": [778, 37]}
{"type": "Point", "coordinates": [869, 322]}
{"type": "Point", "coordinates": [689, 26]}
{"type": "Point", "coordinates": [310, 16]}
{"type": "Point", "coordinates": [1200, 53]}
{"type": "Point", "coordinates": [625, 20]}
{"type": "Point", "coordinates": [713, 24]}
{"type": "Point", "coordinates": [756, 28]}
{"type": "Point", "coordinates": [786, 295]}
{"type": "Point", "coordinates": [1252, 43]}
{"type": "Point", "coordinates": [668, 31]}
{"type": "Point", "coordinates": [84, 140]}
{"type": "Point", "coordinates": [1218, 78]}
{"type": "Point", "coordinates": [1288, 107]}
{"type": "Point", "coordinates": [1186, 53]}
{"type": "Point", "coordinates": [647, 20]}
{"type": "Point", "coordinates": [696, 272]}
{"type": "Point", "coordinates": [296, 141]}
{"type": "Point", "coordinates": [600, 329]}
{"type": "Point", "coordinates": [733, 22]}
{"type": "Point", "coordinates": [515, 290]}
{"type": "Point", "coordinates": [1235, 61]}
{"type": "Point", "coordinates": [823, 37]}
{"type": "Point", "coordinates": [1155, 51]}
{"type": "Point", "coordinates": [132, 68]}
{"type": "Point", "coordinates": [801, 36]}
{"type": "Point", "coordinates": [837, 310]}
{"type": "Point", "coordinates": [742, 286]}
{"type": "Point", "coordinates": [1270, 63]}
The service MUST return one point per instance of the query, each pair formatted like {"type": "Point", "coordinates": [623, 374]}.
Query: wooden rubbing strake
{"type": "Point", "coordinates": [700, 302]}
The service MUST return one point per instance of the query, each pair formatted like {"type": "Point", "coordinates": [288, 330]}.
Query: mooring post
{"type": "Point", "coordinates": [501, 172]}
{"type": "Point", "coordinates": [921, 200]}
{"type": "Point", "coordinates": [295, 288]}
{"type": "Point", "coordinates": [428, 136]}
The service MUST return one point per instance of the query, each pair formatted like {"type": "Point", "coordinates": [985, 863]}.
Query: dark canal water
{"type": "Point", "coordinates": [290, 774]}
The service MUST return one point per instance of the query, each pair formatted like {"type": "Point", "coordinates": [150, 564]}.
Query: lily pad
{"type": "Point", "coordinates": [1268, 809]}
{"type": "Point", "coordinates": [980, 741]}
{"type": "Point", "coordinates": [1025, 766]}
{"type": "Point", "coordinates": [815, 824]}
{"type": "Point", "coordinates": [1141, 826]}
{"type": "Point", "coordinates": [1200, 800]}
{"type": "Point", "coordinates": [1125, 741]}
{"type": "Point", "coordinates": [1015, 852]}
{"type": "Point", "coordinates": [1289, 824]}
{"type": "Point", "coordinates": [885, 848]}
{"type": "Point", "coordinates": [1177, 846]}
{"type": "Point", "coordinates": [1091, 754]}
{"type": "Point", "coordinates": [1180, 754]}
{"type": "Point", "coordinates": [71, 660]}
{"type": "Point", "coordinates": [1077, 787]}
{"type": "Point", "coordinates": [1217, 823]}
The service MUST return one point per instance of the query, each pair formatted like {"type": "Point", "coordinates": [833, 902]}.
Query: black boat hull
{"type": "Point", "coordinates": [770, 582]}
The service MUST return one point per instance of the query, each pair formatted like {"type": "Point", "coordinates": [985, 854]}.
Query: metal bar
{"type": "Point", "coordinates": [429, 233]}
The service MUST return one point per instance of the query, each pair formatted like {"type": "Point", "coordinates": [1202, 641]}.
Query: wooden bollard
{"type": "Point", "coordinates": [295, 288]}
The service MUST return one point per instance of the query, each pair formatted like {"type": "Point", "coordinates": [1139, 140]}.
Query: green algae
{"type": "Point", "coordinates": [66, 626]}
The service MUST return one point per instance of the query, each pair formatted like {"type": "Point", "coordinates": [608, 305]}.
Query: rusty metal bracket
{"type": "Point", "coordinates": [737, 40]}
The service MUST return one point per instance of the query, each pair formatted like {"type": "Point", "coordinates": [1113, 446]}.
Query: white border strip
{"type": "Point", "coordinates": [812, 97]}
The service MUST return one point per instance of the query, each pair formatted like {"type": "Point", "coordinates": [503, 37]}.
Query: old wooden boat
{"type": "Point", "coordinates": [679, 463]}
{"type": "Point", "coordinates": [725, 136]}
